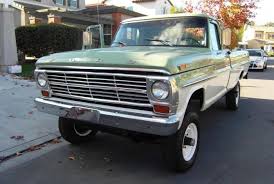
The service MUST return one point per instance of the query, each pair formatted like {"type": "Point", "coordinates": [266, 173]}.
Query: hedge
{"type": "Point", "coordinates": [41, 40]}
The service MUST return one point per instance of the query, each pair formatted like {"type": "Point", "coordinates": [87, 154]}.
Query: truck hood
{"type": "Point", "coordinates": [159, 57]}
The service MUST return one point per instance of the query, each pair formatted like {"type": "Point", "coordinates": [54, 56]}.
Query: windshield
{"type": "Point", "coordinates": [255, 53]}
{"type": "Point", "coordinates": [184, 32]}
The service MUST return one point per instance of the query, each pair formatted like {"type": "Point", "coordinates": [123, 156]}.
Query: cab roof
{"type": "Point", "coordinates": [166, 16]}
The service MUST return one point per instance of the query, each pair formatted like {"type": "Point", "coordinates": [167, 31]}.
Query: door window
{"type": "Point", "coordinates": [215, 39]}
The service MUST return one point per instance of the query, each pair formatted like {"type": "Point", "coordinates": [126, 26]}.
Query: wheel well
{"type": "Point", "coordinates": [198, 95]}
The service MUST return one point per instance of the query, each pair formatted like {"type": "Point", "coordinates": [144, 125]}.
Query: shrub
{"type": "Point", "coordinates": [41, 40]}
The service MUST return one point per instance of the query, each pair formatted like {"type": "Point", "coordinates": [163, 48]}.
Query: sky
{"type": "Point", "coordinates": [264, 13]}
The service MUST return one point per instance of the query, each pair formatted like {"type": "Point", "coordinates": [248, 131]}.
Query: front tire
{"type": "Point", "coordinates": [180, 150]}
{"type": "Point", "coordinates": [73, 132]}
{"type": "Point", "coordinates": [233, 98]}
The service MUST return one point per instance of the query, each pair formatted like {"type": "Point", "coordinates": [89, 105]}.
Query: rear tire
{"type": "Point", "coordinates": [233, 98]}
{"type": "Point", "coordinates": [75, 133]}
{"type": "Point", "coordinates": [180, 150]}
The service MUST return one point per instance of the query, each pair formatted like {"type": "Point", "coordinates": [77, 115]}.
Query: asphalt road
{"type": "Point", "coordinates": [236, 147]}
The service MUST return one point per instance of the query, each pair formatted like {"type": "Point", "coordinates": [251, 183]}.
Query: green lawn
{"type": "Point", "coordinates": [27, 70]}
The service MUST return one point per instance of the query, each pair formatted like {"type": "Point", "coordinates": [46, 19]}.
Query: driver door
{"type": "Point", "coordinates": [221, 63]}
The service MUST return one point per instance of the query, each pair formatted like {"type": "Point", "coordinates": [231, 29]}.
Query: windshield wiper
{"type": "Point", "coordinates": [165, 42]}
{"type": "Point", "coordinates": [121, 43]}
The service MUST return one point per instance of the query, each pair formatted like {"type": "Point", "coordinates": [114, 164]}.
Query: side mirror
{"type": "Point", "coordinates": [226, 37]}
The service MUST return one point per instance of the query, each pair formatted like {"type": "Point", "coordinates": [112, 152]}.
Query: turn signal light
{"type": "Point", "coordinates": [45, 93]}
{"type": "Point", "coordinates": [163, 109]}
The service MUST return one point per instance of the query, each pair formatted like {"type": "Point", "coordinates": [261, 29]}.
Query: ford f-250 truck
{"type": "Point", "coordinates": [159, 73]}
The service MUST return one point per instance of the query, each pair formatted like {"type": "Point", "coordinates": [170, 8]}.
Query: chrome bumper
{"type": "Point", "coordinates": [143, 123]}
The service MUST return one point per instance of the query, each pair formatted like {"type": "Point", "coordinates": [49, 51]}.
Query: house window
{"type": "Point", "coordinates": [60, 2]}
{"type": "Point", "coordinates": [73, 3]}
{"type": "Point", "coordinates": [258, 35]}
{"type": "Point", "coordinates": [107, 34]}
{"type": "Point", "coordinates": [271, 36]}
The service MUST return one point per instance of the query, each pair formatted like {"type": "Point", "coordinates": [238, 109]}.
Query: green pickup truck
{"type": "Point", "coordinates": [159, 73]}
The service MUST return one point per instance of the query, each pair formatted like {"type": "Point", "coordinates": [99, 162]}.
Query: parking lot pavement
{"type": "Point", "coordinates": [236, 147]}
{"type": "Point", "coordinates": [21, 125]}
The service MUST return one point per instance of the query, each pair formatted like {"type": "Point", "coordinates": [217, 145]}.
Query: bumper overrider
{"type": "Point", "coordinates": [132, 121]}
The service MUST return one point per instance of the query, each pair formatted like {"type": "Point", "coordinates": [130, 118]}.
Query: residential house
{"type": "Point", "coordinates": [146, 7]}
{"type": "Point", "coordinates": [71, 12]}
{"type": "Point", "coordinates": [259, 36]}
{"type": "Point", "coordinates": [158, 7]}
{"type": "Point", "coordinates": [24, 10]}
{"type": "Point", "coordinates": [115, 13]}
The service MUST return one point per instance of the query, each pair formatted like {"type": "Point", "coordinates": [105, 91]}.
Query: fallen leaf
{"type": "Point", "coordinates": [31, 112]}
{"type": "Point", "coordinates": [18, 154]}
{"type": "Point", "coordinates": [56, 141]}
{"type": "Point", "coordinates": [34, 148]}
{"type": "Point", "coordinates": [71, 157]}
{"type": "Point", "coordinates": [18, 137]}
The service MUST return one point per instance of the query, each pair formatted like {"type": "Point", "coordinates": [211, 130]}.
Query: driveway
{"type": "Point", "coordinates": [236, 147]}
{"type": "Point", "coordinates": [21, 125]}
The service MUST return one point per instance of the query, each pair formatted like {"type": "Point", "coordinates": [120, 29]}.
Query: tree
{"type": "Point", "coordinates": [232, 13]}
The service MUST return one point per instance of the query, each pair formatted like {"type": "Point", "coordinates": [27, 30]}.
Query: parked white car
{"type": "Point", "coordinates": [258, 59]}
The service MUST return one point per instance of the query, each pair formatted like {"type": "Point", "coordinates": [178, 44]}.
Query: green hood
{"type": "Point", "coordinates": [164, 58]}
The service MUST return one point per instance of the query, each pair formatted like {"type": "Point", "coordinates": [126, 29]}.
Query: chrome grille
{"type": "Point", "coordinates": [115, 88]}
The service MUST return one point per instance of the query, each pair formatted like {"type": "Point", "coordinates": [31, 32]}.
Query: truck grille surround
{"type": "Point", "coordinates": [114, 88]}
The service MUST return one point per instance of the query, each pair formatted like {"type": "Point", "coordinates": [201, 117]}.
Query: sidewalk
{"type": "Point", "coordinates": [21, 125]}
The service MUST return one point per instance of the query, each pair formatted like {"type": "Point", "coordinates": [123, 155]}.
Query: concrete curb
{"type": "Point", "coordinates": [24, 146]}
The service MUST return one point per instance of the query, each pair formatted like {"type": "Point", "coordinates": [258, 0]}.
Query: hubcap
{"type": "Point", "coordinates": [190, 141]}
{"type": "Point", "coordinates": [81, 131]}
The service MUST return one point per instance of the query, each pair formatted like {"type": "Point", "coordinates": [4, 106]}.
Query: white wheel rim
{"type": "Point", "coordinates": [189, 150]}
{"type": "Point", "coordinates": [237, 95]}
{"type": "Point", "coordinates": [81, 133]}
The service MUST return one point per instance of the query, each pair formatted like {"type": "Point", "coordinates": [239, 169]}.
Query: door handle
{"type": "Point", "coordinates": [227, 54]}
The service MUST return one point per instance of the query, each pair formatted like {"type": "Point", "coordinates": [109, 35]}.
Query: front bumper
{"type": "Point", "coordinates": [254, 66]}
{"type": "Point", "coordinates": [132, 121]}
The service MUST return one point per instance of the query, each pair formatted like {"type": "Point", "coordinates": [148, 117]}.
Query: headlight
{"type": "Point", "coordinates": [42, 80]}
{"type": "Point", "coordinates": [160, 90]}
